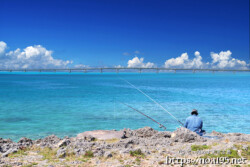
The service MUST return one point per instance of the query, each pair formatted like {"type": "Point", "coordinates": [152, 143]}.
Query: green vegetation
{"type": "Point", "coordinates": [89, 154]}
{"type": "Point", "coordinates": [214, 144]}
{"type": "Point", "coordinates": [48, 153]}
{"type": "Point", "coordinates": [127, 166]}
{"type": "Point", "coordinates": [19, 153]}
{"type": "Point", "coordinates": [30, 165]}
{"type": "Point", "coordinates": [137, 153]}
{"type": "Point", "coordinates": [84, 160]}
{"type": "Point", "coordinates": [70, 156]}
{"type": "Point", "coordinates": [161, 162]}
{"type": "Point", "coordinates": [199, 147]}
{"type": "Point", "coordinates": [237, 166]}
{"type": "Point", "coordinates": [138, 161]}
{"type": "Point", "coordinates": [114, 140]}
{"type": "Point", "coordinates": [95, 139]}
{"type": "Point", "coordinates": [239, 147]}
{"type": "Point", "coordinates": [245, 152]}
{"type": "Point", "coordinates": [231, 154]}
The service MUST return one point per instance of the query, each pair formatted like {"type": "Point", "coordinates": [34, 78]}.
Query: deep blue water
{"type": "Point", "coordinates": [36, 105]}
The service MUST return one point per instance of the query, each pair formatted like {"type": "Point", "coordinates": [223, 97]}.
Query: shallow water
{"type": "Point", "coordinates": [36, 105]}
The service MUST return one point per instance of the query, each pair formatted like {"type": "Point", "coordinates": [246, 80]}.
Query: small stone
{"type": "Point", "coordinates": [49, 141]}
{"type": "Point", "coordinates": [99, 152]}
{"type": "Point", "coordinates": [25, 142]}
{"type": "Point", "coordinates": [244, 147]}
{"type": "Point", "coordinates": [64, 142]}
{"type": "Point", "coordinates": [173, 135]}
{"type": "Point", "coordinates": [234, 148]}
{"type": "Point", "coordinates": [10, 151]}
{"type": "Point", "coordinates": [108, 154]}
{"type": "Point", "coordinates": [61, 153]}
{"type": "Point", "coordinates": [145, 132]}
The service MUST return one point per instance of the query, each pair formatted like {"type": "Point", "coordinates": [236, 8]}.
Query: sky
{"type": "Point", "coordinates": [124, 33]}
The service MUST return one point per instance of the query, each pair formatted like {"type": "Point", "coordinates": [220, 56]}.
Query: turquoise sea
{"type": "Point", "coordinates": [35, 105]}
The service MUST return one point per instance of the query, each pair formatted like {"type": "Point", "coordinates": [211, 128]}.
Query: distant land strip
{"type": "Point", "coordinates": [121, 69]}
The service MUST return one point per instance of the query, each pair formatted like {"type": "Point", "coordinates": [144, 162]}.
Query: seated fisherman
{"type": "Point", "coordinates": [194, 123]}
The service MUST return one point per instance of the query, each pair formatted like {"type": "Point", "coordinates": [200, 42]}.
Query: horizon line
{"type": "Point", "coordinates": [118, 69]}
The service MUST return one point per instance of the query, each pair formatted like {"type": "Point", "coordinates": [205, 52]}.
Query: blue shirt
{"type": "Point", "coordinates": [194, 123]}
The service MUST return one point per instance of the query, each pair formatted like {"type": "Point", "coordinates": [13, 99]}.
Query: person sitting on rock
{"type": "Point", "coordinates": [194, 123]}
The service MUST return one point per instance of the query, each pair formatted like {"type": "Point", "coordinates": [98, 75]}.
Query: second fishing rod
{"type": "Point", "coordinates": [152, 100]}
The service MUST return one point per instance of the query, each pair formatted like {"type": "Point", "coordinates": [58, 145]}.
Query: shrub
{"type": "Point", "coordinates": [137, 153]}
{"type": "Point", "coordinates": [89, 154]}
{"type": "Point", "coordinates": [48, 153]}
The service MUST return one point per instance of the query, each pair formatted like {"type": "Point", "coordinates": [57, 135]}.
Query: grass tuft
{"type": "Point", "coordinates": [232, 154]}
{"type": "Point", "coordinates": [138, 161]}
{"type": "Point", "coordinates": [199, 147]}
{"type": "Point", "coordinates": [114, 140]}
{"type": "Point", "coordinates": [30, 165]}
{"type": "Point", "coordinates": [137, 153]}
{"type": "Point", "coordinates": [19, 153]}
{"type": "Point", "coordinates": [127, 165]}
{"type": "Point", "coordinates": [89, 154]}
{"type": "Point", "coordinates": [48, 153]}
{"type": "Point", "coordinates": [245, 152]}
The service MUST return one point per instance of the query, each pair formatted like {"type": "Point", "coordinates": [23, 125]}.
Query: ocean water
{"type": "Point", "coordinates": [36, 105]}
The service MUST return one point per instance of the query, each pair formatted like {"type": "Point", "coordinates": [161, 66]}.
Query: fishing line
{"type": "Point", "coordinates": [161, 126]}
{"type": "Point", "coordinates": [152, 100]}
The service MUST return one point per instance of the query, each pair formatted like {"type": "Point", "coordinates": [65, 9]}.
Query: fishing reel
{"type": "Point", "coordinates": [161, 126]}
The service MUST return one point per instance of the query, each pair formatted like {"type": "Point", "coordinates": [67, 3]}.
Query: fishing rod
{"type": "Point", "coordinates": [152, 100]}
{"type": "Point", "coordinates": [161, 126]}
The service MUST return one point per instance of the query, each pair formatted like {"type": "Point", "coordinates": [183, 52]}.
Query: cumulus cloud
{"type": "Point", "coordinates": [39, 57]}
{"type": "Point", "coordinates": [183, 61]}
{"type": "Point", "coordinates": [3, 47]}
{"type": "Point", "coordinates": [136, 62]}
{"type": "Point", "coordinates": [222, 60]}
{"type": "Point", "coordinates": [31, 57]}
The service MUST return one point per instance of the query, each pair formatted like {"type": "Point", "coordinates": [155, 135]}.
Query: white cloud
{"type": "Point", "coordinates": [184, 62]}
{"type": "Point", "coordinates": [223, 60]}
{"type": "Point", "coordinates": [3, 47]}
{"type": "Point", "coordinates": [136, 62]}
{"type": "Point", "coordinates": [31, 57]}
{"type": "Point", "coordinates": [39, 57]}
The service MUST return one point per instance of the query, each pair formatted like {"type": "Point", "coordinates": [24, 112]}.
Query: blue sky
{"type": "Point", "coordinates": [112, 32]}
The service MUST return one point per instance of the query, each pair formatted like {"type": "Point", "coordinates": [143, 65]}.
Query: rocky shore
{"type": "Point", "coordinates": [141, 147]}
